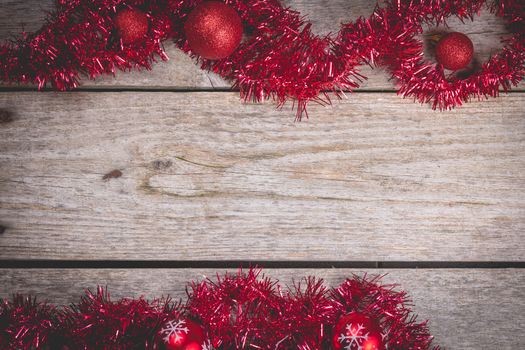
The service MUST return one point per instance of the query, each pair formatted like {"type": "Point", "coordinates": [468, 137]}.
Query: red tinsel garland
{"type": "Point", "coordinates": [238, 311]}
{"type": "Point", "coordinates": [279, 57]}
{"type": "Point", "coordinates": [396, 25]}
{"type": "Point", "coordinates": [80, 38]}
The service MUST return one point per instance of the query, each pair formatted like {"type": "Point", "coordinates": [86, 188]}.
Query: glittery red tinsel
{"type": "Point", "coordinates": [26, 323]}
{"type": "Point", "coordinates": [384, 304]}
{"type": "Point", "coordinates": [280, 58]}
{"type": "Point", "coordinates": [80, 38]}
{"type": "Point", "coordinates": [239, 310]}
{"type": "Point", "coordinates": [396, 26]}
{"type": "Point", "coordinates": [243, 310]}
{"type": "Point", "coordinates": [95, 322]}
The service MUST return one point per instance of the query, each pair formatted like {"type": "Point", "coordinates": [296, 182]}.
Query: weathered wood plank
{"type": "Point", "coordinates": [182, 73]}
{"type": "Point", "coordinates": [374, 177]}
{"type": "Point", "coordinates": [467, 309]}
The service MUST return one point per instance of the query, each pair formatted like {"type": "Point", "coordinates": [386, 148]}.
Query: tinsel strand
{"type": "Point", "coordinates": [280, 58]}
{"type": "Point", "coordinates": [244, 310]}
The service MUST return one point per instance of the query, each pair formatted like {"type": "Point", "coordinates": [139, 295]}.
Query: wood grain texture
{"type": "Point", "coordinates": [374, 177]}
{"type": "Point", "coordinates": [181, 72]}
{"type": "Point", "coordinates": [467, 309]}
{"type": "Point", "coordinates": [200, 176]}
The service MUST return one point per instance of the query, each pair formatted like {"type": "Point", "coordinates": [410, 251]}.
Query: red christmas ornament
{"type": "Point", "coordinates": [183, 334]}
{"type": "Point", "coordinates": [132, 25]}
{"type": "Point", "coordinates": [454, 51]}
{"type": "Point", "coordinates": [213, 30]}
{"type": "Point", "coordinates": [356, 331]}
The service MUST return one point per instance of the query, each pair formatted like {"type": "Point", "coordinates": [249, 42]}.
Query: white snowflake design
{"type": "Point", "coordinates": [353, 338]}
{"type": "Point", "coordinates": [174, 328]}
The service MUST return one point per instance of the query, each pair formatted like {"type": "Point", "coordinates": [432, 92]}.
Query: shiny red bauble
{"type": "Point", "coordinates": [454, 51]}
{"type": "Point", "coordinates": [183, 334]}
{"type": "Point", "coordinates": [213, 30]}
{"type": "Point", "coordinates": [132, 25]}
{"type": "Point", "coordinates": [357, 331]}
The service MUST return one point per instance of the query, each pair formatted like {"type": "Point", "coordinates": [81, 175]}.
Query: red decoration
{"type": "Point", "coordinates": [304, 310]}
{"type": "Point", "coordinates": [279, 59]}
{"type": "Point", "coordinates": [183, 334]}
{"type": "Point", "coordinates": [356, 331]}
{"type": "Point", "coordinates": [132, 25]}
{"type": "Point", "coordinates": [79, 40]}
{"type": "Point", "coordinates": [396, 28]}
{"type": "Point", "coordinates": [26, 324]}
{"type": "Point", "coordinates": [386, 310]}
{"type": "Point", "coordinates": [454, 51]}
{"type": "Point", "coordinates": [97, 322]}
{"type": "Point", "coordinates": [213, 30]}
{"type": "Point", "coordinates": [238, 311]}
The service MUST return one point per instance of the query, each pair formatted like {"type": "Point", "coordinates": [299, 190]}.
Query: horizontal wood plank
{"type": "Point", "coordinates": [467, 309]}
{"type": "Point", "coordinates": [181, 72]}
{"type": "Point", "coordinates": [191, 176]}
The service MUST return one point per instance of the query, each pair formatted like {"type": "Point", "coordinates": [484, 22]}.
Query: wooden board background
{"type": "Point", "coordinates": [205, 177]}
{"type": "Point", "coordinates": [373, 180]}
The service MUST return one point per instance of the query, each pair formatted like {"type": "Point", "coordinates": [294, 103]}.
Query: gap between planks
{"type": "Point", "coordinates": [268, 264]}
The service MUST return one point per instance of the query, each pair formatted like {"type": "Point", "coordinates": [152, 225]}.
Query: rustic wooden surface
{"type": "Point", "coordinates": [205, 177]}
{"type": "Point", "coordinates": [185, 174]}
{"type": "Point", "coordinates": [469, 309]}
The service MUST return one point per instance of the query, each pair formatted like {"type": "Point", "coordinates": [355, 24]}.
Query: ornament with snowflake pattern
{"type": "Point", "coordinates": [356, 331]}
{"type": "Point", "coordinates": [184, 334]}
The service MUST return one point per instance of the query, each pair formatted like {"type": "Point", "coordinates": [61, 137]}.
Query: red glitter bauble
{"type": "Point", "coordinates": [454, 51]}
{"type": "Point", "coordinates": [356, 331]}
{"type": "Point", "coordinates": [132, 25]}
{"type": "Point", "coordinates": [183, 334]}
{"type": "Point", "coordinates": [213, 30]}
